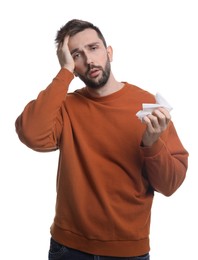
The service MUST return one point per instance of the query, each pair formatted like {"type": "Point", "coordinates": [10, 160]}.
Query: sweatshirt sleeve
{"type": "Point", "coordinates": [39, 125]}
{"type": "Point", "coordinates": [166, 162]}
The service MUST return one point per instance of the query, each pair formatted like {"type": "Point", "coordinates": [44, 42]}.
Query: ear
{"type": "Point", "coordinates": [110, 53]}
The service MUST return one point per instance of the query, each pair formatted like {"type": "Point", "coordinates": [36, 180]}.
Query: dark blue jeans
{"type": "Point", "coordinates": [60, 252]}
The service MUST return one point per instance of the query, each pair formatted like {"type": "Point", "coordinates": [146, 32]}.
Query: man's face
{"type": "Point", "coordinates": [92, 59]}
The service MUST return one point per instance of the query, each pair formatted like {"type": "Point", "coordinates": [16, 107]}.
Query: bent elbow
{"type": "Point", "coordinates": [173, 186]}
{"type": "Point", "coordinates": [35, 141]}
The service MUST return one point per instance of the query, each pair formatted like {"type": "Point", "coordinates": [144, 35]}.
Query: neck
{"type": "Point", "coordinates": [109, 88]}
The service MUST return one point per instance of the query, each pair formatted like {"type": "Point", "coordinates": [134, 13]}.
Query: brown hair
{"type": "Point", "coordinates": [75, 26]}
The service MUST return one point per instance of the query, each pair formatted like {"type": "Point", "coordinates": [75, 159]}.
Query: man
{"type": "Point", "coordinates": [110, 162]}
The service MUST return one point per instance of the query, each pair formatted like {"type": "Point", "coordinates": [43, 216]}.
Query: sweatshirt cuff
{"type": "Point", "coordinates": [153, 150]}
{"type": "Point", "coordinates": [65, 75]}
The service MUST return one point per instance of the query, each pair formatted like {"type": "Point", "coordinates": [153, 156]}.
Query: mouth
{"type": "Point", "coordinates": [93, 73]}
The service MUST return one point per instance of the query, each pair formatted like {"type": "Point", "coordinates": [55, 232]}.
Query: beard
{"type": "Point", "coordinates": [91, 83]}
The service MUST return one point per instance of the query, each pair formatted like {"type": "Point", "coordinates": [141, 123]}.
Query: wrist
{"type": "Point", "coordinates": [70, 68]}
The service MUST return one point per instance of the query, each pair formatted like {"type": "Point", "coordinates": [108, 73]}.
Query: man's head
{"type": "Point", "coordinates": [75, 26]}
{"type": "Point", "coordinates": [90, 53]}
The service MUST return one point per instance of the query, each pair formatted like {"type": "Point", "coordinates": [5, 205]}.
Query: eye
{"type": "Point", "coordinates": [76, 55]}
{"type": "Point", "coordinates": [94, 47]}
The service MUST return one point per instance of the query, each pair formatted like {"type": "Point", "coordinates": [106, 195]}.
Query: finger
{"type": "Point", "coordinates": [163, 116]}
{"type": "Point", "coordinates": [151, 123]}
{"type": "Point", "coordinates": [165, 112]}
{"type": "Point", "coordinates": [59, 48]}
{"type": "Point", "coordinates": [65, 42]}
{"type": "Point", "coordinates": [154, 121]}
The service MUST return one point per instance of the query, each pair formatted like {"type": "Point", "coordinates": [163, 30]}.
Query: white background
{"type": "Point", "coordinates": [155, 47]}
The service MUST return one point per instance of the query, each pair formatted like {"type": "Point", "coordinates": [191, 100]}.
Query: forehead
{"type": "Point", "coordinates": [83, 38]}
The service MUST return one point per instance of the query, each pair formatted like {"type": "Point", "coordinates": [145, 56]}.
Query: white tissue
{"type": "Point", "coordinates": [147, 108]}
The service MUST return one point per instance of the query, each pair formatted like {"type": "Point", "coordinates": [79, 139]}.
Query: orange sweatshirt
{"type": "Point", "coordinates": [105, 179]}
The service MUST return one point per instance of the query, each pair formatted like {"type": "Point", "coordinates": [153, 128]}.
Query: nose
{"type": "Point", "coordinates": [88, 59]}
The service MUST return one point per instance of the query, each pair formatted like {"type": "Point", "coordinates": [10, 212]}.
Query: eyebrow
{"type": "Point", "coordinates": [88, 45]}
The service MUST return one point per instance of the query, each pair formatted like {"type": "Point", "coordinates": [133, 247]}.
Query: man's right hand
{"type": "Point", "coordinates": [64, 56]}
